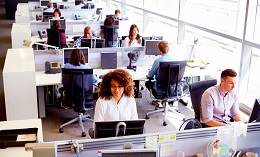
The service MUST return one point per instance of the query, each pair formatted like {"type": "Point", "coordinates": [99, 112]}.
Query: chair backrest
{"type": "Point", "coordinates": [53, 36]}
{"type": "Point", "coordinates": [169, 76]}
{"type": "Point", "coordinates": [78, 84]}
{"type": "Point", "coordinates": [110, 35]}
{"type": "Point", "coordinates": [196, 90]}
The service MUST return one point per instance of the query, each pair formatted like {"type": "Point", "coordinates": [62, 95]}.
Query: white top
{"type": "Point", "coordinates": [107, 110]}
{"type": "Point", "coordinates": [48, 10]}
{"type": "Point", "coordinates": [133, 44]}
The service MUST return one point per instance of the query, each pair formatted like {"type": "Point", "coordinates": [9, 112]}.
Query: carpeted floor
{"type": "Point", "coordinates": [56, 116]}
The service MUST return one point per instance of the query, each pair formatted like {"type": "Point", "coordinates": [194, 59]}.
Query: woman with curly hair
{"type": "Point", "coordinates": [133, 39]}
{"type": "Point", "coordinates": [116, 97]}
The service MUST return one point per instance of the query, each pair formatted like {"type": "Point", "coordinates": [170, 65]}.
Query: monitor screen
{"type": "Point", "coordinates": [151, 38]}
{"type": "Point", "coordinates": [151, 47]}
{"type": "Point", "coordinates": [67, 51]}
{"type": "Point", "coordinates": [108, 128]}
{"type": "Point", "coordinates": [99, 43]}
{"type": "Point", "coordinates": [255, 114]}
{"type": "Point", "coordinates": [130, 153]}
{"type": "Point", "coordinates": [44, 3]}
{"type": "Point", "coordinates": [86, 42]}
{"type": "Point", "coordinates": [62, 23]}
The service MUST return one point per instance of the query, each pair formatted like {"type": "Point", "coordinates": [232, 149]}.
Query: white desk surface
{"type": "Point", "coordinates": [43, 79]}
{"type": "Point", "coordinates": [15, 152]}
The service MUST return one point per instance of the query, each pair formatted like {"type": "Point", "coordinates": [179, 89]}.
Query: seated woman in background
{"type": "Point", "coordinates": [56, 14]}
{"type": "Point", "coordinates": [56, 25]}
{"type": "Point", "coordinates": [109, 21]}
{"type": "Point", "coordinates": [133, 39]}
{"type": "Point", "coordinates": [116, 97]}
{"type": "Point", "coordinates": [78, 61]}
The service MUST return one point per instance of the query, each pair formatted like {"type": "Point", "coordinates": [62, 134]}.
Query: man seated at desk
{"type": "Point", "coordinates": [87, 34]}
{"type": "Point", "coordinates": [164, 48]}
{"type": "Point", "coordinates": [50, 8]}
{"type": "Point", "coordinates": [219, 102]}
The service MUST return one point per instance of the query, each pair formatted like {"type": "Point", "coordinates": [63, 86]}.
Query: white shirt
{"type": "Point", "coordinates": [107, 110]}
{"type": "Point", "coordinates": [133, 44]}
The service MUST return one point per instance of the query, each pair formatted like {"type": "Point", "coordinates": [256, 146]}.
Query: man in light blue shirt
{"type": "Point", "coordinates": [164, 48]}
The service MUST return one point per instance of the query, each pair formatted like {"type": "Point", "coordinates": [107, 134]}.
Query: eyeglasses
{"type": "Point", "coordinates": [115, 87]}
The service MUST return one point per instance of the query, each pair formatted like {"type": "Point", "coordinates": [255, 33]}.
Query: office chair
{"type": "Point", "coordinates": [168, 86]}
{"type": "Point", "coordinates": [78, 87]}
{"type": "Point", "coordinates": [196, 90]}
{"type": "Point", "coordinates": [110, 36]}
{"type": "Point", "coordinates": [55, 37]}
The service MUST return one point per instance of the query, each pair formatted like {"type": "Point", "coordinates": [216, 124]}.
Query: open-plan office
{"type": "Point", "coordinates": [31, 70]}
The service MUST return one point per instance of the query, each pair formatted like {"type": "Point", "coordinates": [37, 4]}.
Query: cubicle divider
{"type": "Point", "coordinates": [191, 142]}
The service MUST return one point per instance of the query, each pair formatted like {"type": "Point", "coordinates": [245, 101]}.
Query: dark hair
{"type": "Point", "coordinates": [138, 37]}
{"type": "Point", "coordinates": [123, 77]}
{"type": "Point", "coordinates": [77, 56]}
{"type": "Point", "coordinates": [58, 11]}
{"type": "Point", "coordinates": [56, 24]}
{"type": "Point", "coordinates": [228, 72]}
{"type": "Point", "coordinates": [109, 21]}
{"type": "Point", "coordinates": [117, 11]}
{"type": "Point", "coordinates": [163, 47]}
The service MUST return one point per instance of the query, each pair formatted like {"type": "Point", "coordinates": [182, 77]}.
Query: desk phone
{"type": "Point", "coordinates": [52, 67]}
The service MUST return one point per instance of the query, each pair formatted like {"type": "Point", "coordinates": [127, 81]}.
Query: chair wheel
{"type": "Point", "coordinates": [61, 130]}
{"type": "Point", "coordinates": [164, 123]}
{"type": "Point", "coordinates": [83, 134]}
{"type": "Point", "coordinates": [147, 117]}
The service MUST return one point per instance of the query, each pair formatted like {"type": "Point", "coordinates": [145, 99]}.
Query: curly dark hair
{"type": "Point", "coordinates": [123, 77]}
{"type": "Point", "coordinates": [77, 56]}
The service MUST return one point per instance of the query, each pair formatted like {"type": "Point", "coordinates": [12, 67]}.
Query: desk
{"type": "Point", "coordinates": [43, 79]}
{"type": "Point", "coordinates": [36, 38]}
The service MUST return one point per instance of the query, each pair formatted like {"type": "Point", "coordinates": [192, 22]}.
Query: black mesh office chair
{"type": "Point", "coordinates": [196, 90]}
{"type": "Point", "coordinates": [169, 87]}
{"type": "Point", "coordinates": [54, 37]}
{"type": "Point", "coordinates": [78, 89]}
{"type": "Point", "coordinates": [110, 35]}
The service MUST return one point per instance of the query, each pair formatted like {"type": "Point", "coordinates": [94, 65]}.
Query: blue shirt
{"type": "Point", "coordinates": [77, 42]}
{"type": "Point", "coordinates": [154, 70]}
{"type": "Point", "coordinates": [81, 66]}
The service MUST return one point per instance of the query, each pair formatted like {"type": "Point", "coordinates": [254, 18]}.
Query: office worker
{"type": "Point", "coordinates": [109, 21]}
{"type": "Point", "coordinates": [117, 14]}
{"type": "Point", "coordinates": [116, 97]}
{"type": "Point", "coordinates": [164, 48]}
{"type": "Point", "coordinates": [87, 34]}
{"type": "Point", "coordinates": [49, 7]}
{"type": "Point", "coordinates": [220, 102]}
{"type": "Point", "coordinates": [56, 25]}
{"type": "Point", "coordinates": [78, 61]}
{"type": "Point", "coordinates": [133, 39]}
{"type": "Point", "coordinates": [56, 14]}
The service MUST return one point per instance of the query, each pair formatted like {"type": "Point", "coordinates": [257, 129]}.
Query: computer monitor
{"type": "Point", "coordinates": [108, 60]}
{"type": "Point", "coordinates": [129, 153]}
{"type": "Point", "coordinates": [151, 47]}
{"type": "Point", "coordinates": [62, 23]}
{"type": "Point", "coordinates": [67, 52]}
{"type": "Point", "coordinates": [43, 3]}
{"type": "Point", "coordinates": [87, 42]}
{"type": "Point", "coordinates": [108, 128]}
{"type": "Point", "coordinates": [46, 16]}
{"type": "Point", "coordinates": [255, 114]}
{"type": "Point", "coordinates": [151, 38]}
{"type": "Point", "coordinates": [100, 43]}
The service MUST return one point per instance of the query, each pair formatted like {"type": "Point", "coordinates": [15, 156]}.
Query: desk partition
{"type": "Point", "coordinates": [191, 142]}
